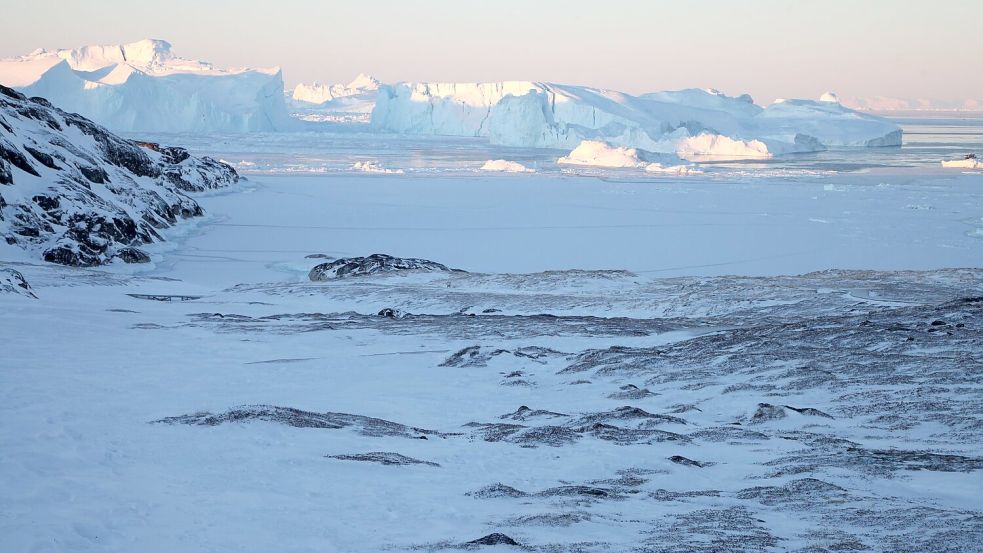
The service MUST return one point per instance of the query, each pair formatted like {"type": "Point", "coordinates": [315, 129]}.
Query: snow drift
{"type": "Point", "coordinates": [143, 86]}
{"type": "Point", "coordinates": [546, 115]}
{"type": "Point", "coordinates": [80, 195]}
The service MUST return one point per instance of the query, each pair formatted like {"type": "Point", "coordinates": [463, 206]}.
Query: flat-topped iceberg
{"type": "Point", "coordinates": [343, 103]}
{"type": "Point", "coordinates": [143, 86]}
{"type": "Point", "coordinates": [693, 122]}
{"type": "Point", "coordinates": [970, 161]}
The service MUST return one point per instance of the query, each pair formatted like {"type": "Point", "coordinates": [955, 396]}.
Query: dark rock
{"type": "Point", "coordinates": [133, 255]}
{"type": "Point", "coordinates": [374, 264]}
{"type": "Point", "coordinates": [493, 539]}
{"type": "Point", "coordinates": [383, 458]}
{"type": "Point", "coordinates": [680, 460]}
{"type": "Point", "coordinates": [391, 313]}
{"type": "Point", "coordinates": [524, 413]}
{"type": "Point", "coordinates": [368, 426]}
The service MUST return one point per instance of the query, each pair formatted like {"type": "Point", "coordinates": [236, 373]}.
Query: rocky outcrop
{"type": "Point", "coordinates": [80, 195]}
{"type": "Point", "coordinates": [375, 264]}
{"type": "Point", "coordinates": [13, 282]}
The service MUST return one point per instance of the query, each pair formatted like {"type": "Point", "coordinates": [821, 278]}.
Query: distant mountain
{"type": "Point", "coordinates": [144, 86]}
{"type": "Point", "coordinates": [79, 195]}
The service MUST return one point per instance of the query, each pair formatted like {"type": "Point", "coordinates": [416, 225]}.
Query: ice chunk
{"type": "Point", "coordinates": [599, 154]}
{"type": "Point", "coordinates": [374, 167]}
{"type": "Point", "coordinates": [968, 162]}
{"type": "Point", "coordinates": [505, 166]}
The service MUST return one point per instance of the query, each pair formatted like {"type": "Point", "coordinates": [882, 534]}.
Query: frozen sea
{"type": "Point", "coordinates": [780, 356]}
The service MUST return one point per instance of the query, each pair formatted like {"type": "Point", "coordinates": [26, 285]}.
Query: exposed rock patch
{"type": "Point", "coordinates": [373, 265]}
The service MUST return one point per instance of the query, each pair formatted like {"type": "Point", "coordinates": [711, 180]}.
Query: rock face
{"type": "Point", "coordinates": [375, 264]}
{"type": "Point", "coordinates": [82, 196]}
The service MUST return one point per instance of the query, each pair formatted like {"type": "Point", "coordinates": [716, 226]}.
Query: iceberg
{"type": "Point", "coordinates": [547, 115]}
{"type": "Point", "coordinates": [144, 86]}
{"type": "Point", "coordinates": [594, 153]}
{"type": "Point", "coordinates": [968, 162]}
{"type": "Point", "coordinates": [344, 103]}
{"type": "Point", "coordinates": [505, 166]}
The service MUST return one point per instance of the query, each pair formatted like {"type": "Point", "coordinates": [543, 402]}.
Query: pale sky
{"type": "Point", "coordinates": [769, 48]}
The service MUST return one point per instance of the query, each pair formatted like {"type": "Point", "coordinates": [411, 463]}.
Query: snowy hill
{"type": "Point", "coordinates": [80, 195]}
{"type": "Point", "coordinates": [545, 115]}
{"type": "Point", "coordinates": [144, 86]}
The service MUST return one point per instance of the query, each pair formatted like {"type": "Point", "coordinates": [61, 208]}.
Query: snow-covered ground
{"type": "Point", "coordinates": [680, 394]}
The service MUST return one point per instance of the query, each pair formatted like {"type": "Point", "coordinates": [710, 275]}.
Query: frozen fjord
{"type": "Point", "coordinates": [859, 413]}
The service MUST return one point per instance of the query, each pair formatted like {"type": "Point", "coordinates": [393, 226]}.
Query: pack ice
{"type": "Point", "coordinates": [692, 124]}
{"type": "Point", "coordinates": [144, 86]}
{"type": "Point", "coordinates": [76, 194]}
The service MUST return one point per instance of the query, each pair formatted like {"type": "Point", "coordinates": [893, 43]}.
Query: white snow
{"type": "Point", "coordinates": [830, 97]}
{"type": "Point", "coordinates": [144, 86]}
{"type": "Point", "coordinates": [77, 446]}
{"type": "Point", "coordinates": [505, 166]}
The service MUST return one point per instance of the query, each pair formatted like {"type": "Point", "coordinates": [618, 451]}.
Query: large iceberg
{"type": "Point", "coordinates": [691, 123]}
{"type": "Point", "coordinates": [143, 86]}
{"type": "Point", "coordinates": [346, 103]}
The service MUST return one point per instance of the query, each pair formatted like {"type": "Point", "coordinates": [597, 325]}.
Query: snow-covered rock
{"type": "Point", "coordinates": [505, 166]}
{"type": "Point", "coordinates": [546, 115]}
{"type": "Point", "coordinates": [377, 263]}
{"type": "Point", "coordinates": [13, 282]}
{"type": "Point", "coordinates": [968, 162]}
{"type": "Point", "coordinates": [830, 97]}
{"type": "Point", "coordinates": [80, 195]}
{"type": "Point", "coordinates": [143, 86]}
